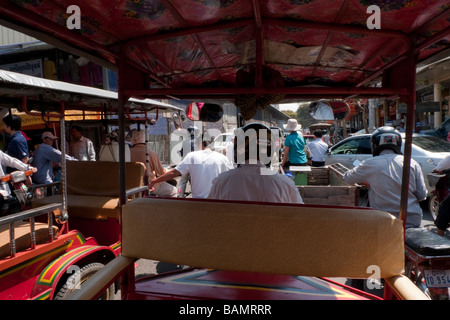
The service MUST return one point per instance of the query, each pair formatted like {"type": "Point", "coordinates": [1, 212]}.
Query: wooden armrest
{"type": "Point", "coordinates": [102, 279]}
{"type": "Point", "coordinates": [130, 192]}
{"type": "Point", "coordinates": [405, 289]}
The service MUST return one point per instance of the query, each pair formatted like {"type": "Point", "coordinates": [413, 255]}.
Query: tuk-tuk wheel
{"type": "Point", "coordinates": [75, 282]}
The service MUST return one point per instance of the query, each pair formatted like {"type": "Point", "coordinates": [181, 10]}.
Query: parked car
{"type": "Point", "coordinates": [441, 131]}
{"type": "Point", "coordinates": [222, 141]}
{"type": "Point", "coordinates": [278, 136]}
{"type": "Point", "coordinates": [424, 147]}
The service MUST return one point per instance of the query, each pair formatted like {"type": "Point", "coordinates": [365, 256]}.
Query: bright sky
{"type": "Point", "coordinates": [289, 106]}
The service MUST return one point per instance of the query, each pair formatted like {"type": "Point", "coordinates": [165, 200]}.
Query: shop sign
{"type": "Point", "coordinates": [30, 67]}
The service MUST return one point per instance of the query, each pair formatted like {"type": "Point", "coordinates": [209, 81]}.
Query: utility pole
{"type": "Point", "coordinates": [372, 123]}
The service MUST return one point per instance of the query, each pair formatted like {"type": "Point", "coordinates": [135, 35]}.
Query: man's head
{"type": "Point", "coordinates": [13, 123]}
{"type": "Point", "coordinates": [318, 133]}
{"type": "Point", "coordinates": [385, 138]}
{"type": "Point", "coordinates": [253, 143]}
{"type": "Point", "coordinates": [76, 132]}
{"type": "Point", "coordinates": [48, 138]}
{"type": "Point", "coordinates": [207, 141]}
{"type": "Point", "coordinates": [292, 125]}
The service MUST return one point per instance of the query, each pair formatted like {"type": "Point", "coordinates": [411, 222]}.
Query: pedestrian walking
{"type": "Point", "coordinates": [318, 149]}
{"type": "Point", "coordinates": [44, 157]}
{"type": "Point", "coordinates": [294, 146]}
{"type": "Point", "coordinates": [203, 166]}
{"type": "Point", "coordinates": [80, 147]}
{"type": "Point", "coordinates": [17, 146]}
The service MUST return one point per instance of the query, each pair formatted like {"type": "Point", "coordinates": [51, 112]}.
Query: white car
{"type": "Point", "coordinates": [426, 150]}
{"type": "Point", "coordinates": [222, 141]}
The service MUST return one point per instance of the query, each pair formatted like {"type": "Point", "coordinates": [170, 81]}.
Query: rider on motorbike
{"type": "Point", "coordinates": [443, 216]}
{"type": "Point", "coordinates": [383, 173]}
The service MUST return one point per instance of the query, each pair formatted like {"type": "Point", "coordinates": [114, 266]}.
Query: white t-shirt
{"type": "Point", "coordinates": [384, 175]}
{"type": "Point", "coordinates": [318, 149]}
{"type": "Point", "coordinates": [444, 164]}
{"type": "Point", "coordinates": [203, 166]}
{"type": "Point", "coordinates": [254, 182]}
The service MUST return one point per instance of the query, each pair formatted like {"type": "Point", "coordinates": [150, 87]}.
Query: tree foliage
{"type": "Point", "coordinates": [303, 115]}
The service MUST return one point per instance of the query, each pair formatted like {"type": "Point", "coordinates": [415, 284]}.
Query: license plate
{"type": "Point", "coordinates": [437, 278]}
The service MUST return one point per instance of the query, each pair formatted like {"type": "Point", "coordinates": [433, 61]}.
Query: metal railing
{"type": "Point", "coordinates": [30, 214]}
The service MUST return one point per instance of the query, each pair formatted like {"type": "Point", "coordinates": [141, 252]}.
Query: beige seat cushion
{"type": "Point", "coordinates": [101, 178]}
{"type": "Point", "coordinates": [87, 207]}
{"type": "Point", "coordinates": [23, 236]}
{"type": "Point", "coordinates": [93, 188]}
{"type": "Point", "coordinates": [285, 239]}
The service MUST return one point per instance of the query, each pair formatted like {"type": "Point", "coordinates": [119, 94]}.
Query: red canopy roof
{"type": "Point", "coordinates": [194, 48]}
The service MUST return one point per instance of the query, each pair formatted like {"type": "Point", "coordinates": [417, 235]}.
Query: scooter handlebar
{"type": "Point", "coordinates": [17, 176]}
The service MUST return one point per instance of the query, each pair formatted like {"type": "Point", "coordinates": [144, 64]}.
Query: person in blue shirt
{"type": "Point", "coordinates": [43, 159]}
{"type": "Point", "coordinates": [294, 146]}
{"type": "Point", "coordinates": [418, 128]}
{"type": "Point", "coordinates": [17, 146]}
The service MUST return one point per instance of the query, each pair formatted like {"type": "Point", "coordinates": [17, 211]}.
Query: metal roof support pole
{"type": "Point", "coordinates": [122, 100]}
{"type": "Point", "coordinates": [128, 77]}
{"type": "Point", "coordinates": [403, 75]}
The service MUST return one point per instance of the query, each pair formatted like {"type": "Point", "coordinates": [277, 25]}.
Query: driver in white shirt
{"type": "Point", "coordinates": [252, 180]}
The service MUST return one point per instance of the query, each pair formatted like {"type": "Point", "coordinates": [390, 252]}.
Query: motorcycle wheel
{"type": "Point", "coordinates": [433, 206]}
{"type": "Point", "coordinates": [416, 276]}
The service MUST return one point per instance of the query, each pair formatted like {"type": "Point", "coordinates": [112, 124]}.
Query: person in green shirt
{"type": "Point", "coordinates": [294, 146]}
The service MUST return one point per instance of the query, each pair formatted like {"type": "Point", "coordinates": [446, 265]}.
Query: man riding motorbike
{"type": "Point", "coordinates": [383, 173]}
{"type": "Point", "coordinates": [443, 216]}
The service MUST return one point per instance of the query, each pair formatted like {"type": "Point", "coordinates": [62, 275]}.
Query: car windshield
{"type": "Point", "coordinates": [224, 138]}
{"type": "Point", "coordinates": [431, 143]}
{"type": "Point", "coordinates": [353, 146]}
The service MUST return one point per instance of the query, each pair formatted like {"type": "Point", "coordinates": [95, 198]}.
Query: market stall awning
{"type": "Point", "coordinates": [15, 86]}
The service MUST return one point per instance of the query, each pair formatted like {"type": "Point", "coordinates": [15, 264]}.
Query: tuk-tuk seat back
{"type": "Point", "coordinates": [270, 238]}
{"type": "Point", "coordinates": [93, 188]}
{"type": "Point", "coordinates": [101, 178]}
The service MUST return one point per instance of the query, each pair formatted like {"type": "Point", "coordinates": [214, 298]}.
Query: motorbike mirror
{"type": "Point", "coordinates": [207, 112]}
{"type": "Point", "coordinates": [328, 110]}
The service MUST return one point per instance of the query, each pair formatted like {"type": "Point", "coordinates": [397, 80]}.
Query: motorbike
{"type": "Point", "coordinates": [427, 254]}
{"type": "Point", "coordinates": [23, 195]}
{"type": "Point", "coordinates": [441, 184]}
{"type": "Point", "coordinates": [427, 261]}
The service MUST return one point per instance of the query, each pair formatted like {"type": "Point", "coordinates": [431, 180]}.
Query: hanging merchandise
{"type": "Point", "coordinates": [74, 70]}
{"type": "Point", "coordinates": [96, 73]}
{"type": "Point", "coordinates": [64, 71]}
{"type": "Point", "coordinates": [49, 69]}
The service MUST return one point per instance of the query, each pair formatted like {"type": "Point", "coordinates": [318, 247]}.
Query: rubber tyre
{"type": "Point", "coordinates": [416, 276]}
{"type": "Point", "coordinates": [76, 280]}
{"type": "Point", "coordinates": [433, 206]}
